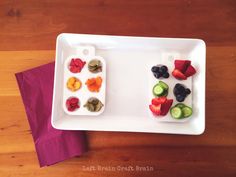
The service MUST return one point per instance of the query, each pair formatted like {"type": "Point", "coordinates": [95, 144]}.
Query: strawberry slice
{"type": "Point", "coordinates": [156, 109]}
{"type": "Point", "coordinates": [178, 74]}
{"type": "Point", "coordinates": [182, 65]}
{"type": "Point", "coordinates": [157, 101]}
{"type": "Point", "coordinates": [165, 107]}
{"type": "Point", "coordinates": [190, 71]}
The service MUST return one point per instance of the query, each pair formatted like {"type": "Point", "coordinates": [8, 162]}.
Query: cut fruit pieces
{"type": "Point", "coordinates": [182, 65]}
{"type": "Point", "coordinates": [93, 104]}
{"type": "Point", "coordinates": [73, 84]}
{"type": "Point", "coordinates": [180, 111]}
{"type": "Point", "coordinates": [72, 104]}
{"type": "Point", "coordinates": [76, 65]}
{"type": "Point", "coordinates": [157, 101]}
{"type": "Point", "coordinates": [94, 84]}
{"type": "Point", "coordinates": [176, 112]}
{"type": "Point", "coordinates": [180, 105]}
{"type": "Point", "coordinates": [181, 92]}
{"type": "Point", "coordinates": [160, 89]}
{"type": "Point", "coordinates": [183, 69]}
{"type": "Point", "coordinates": [165, 107]}
{"type": "Point", "coordinates": [187, 111]}
{"type": "Point", "coordinates": [178, 74]}
{"type": "Point", "coordinates": [156, 109]}
{"type": "Point", "coordinates": [160, 106]}
{"type": "Point", "coordinates": [163, 85]}
{"type": "Point", "coordinates": [190, 71]}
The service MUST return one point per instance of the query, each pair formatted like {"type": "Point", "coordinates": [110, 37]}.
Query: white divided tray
{"type": "Point", "coordinates": [128, 61]}
{"type": "Point", "coordinates": [86, 53]}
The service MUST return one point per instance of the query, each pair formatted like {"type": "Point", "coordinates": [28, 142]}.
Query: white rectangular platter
{"type": "Point", "coordinates": [128, 61]}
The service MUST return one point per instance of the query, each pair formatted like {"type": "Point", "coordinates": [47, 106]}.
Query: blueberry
{"type": "Point", "coordinates": [157, 75]}
{"type": "Point", "coordinates": [178, 85]}
{"type": "Point", "coordinates": [163, 69]}
{"type": "Point", "coordinates": [155, 69]}
{"type": "Point", "coordinates": [188, 91]}
{"type": "Point", "coordinates": [166, 75]}
{"type": "Point", "coordinates": [181, 89]}
{"type": "Point", "coordinates": [180, 98]}
{"type": "Point", "coordinates": [176, 91]}
{"type": "Point", "coordinates": [184, 94]}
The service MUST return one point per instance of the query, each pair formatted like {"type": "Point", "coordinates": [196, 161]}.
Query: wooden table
{"type": "Point", "coordinates": [28, 31]}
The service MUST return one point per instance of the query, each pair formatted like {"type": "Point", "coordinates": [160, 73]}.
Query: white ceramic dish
{"type": "Point", "coordinates": [86, 53]}
{"type": "Point", "coordinates": [128, 61]}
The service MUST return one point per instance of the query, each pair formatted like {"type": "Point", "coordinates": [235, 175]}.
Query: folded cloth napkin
{"type": "Point", "coordinates": [52, 145]}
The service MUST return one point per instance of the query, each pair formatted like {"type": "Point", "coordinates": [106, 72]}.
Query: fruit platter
{"type": "Point", "coordinates": [131, 84]}
{"type": "Point", "coordinates": [171, 86]}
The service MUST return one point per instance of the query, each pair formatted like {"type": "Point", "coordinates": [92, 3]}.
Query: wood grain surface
{"type": "Point", "coordinates": [28, 30]}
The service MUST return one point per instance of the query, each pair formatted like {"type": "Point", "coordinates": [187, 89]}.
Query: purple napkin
{"type": "Point", "coordinates": [52, 145]}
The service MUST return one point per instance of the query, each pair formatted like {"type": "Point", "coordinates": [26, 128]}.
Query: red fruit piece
{"type": "Point", "coordinates": [157, 101]}
{"type": "Point", "coordinates": [72, 104]}
{"type": "Point", "coordinates": [182, 65]}
{"type": "Point", "coordinates": [72, 62]}
{"type": "Point", "coordinates": [165, 107]}
{"type": "Point", "coordinates": [76, 65]}
{"type": "Point", "coordinates": [178, 74]}
{"type": "Point", "coordinates": [156, 109]}
{"type": "Point", "coordinates": [76, 62]}
{"type": "Point", "coordinates": [190, 71]}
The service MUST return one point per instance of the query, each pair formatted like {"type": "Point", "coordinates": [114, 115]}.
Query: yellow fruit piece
{"type": "Point", "coordinates": [73, 84]}
{"type": "Point", "coordinates": [72, 80]}
{"type": "Point", "coordinates": [77, 85]}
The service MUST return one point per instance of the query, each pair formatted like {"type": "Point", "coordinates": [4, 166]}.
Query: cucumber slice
{"type": "Point", "coordinates": [165, 93]}
{"type": "Point", "coordinates": [180, 105]}
{"type": "Point", "coordinates": [163, 85]}
{"type": "Point", "coordinates": [176, 112]}
{"type": "Point", "coordinates": [157, 90]}
{"type": "Point", "coordinates": [187, 111]}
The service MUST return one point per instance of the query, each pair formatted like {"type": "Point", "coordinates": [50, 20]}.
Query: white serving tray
{"type": "Point", "coordinates": [127, 85]}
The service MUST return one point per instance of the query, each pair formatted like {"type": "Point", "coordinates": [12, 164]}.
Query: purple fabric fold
{"type": "Point", "coordinates": [52, 145]}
